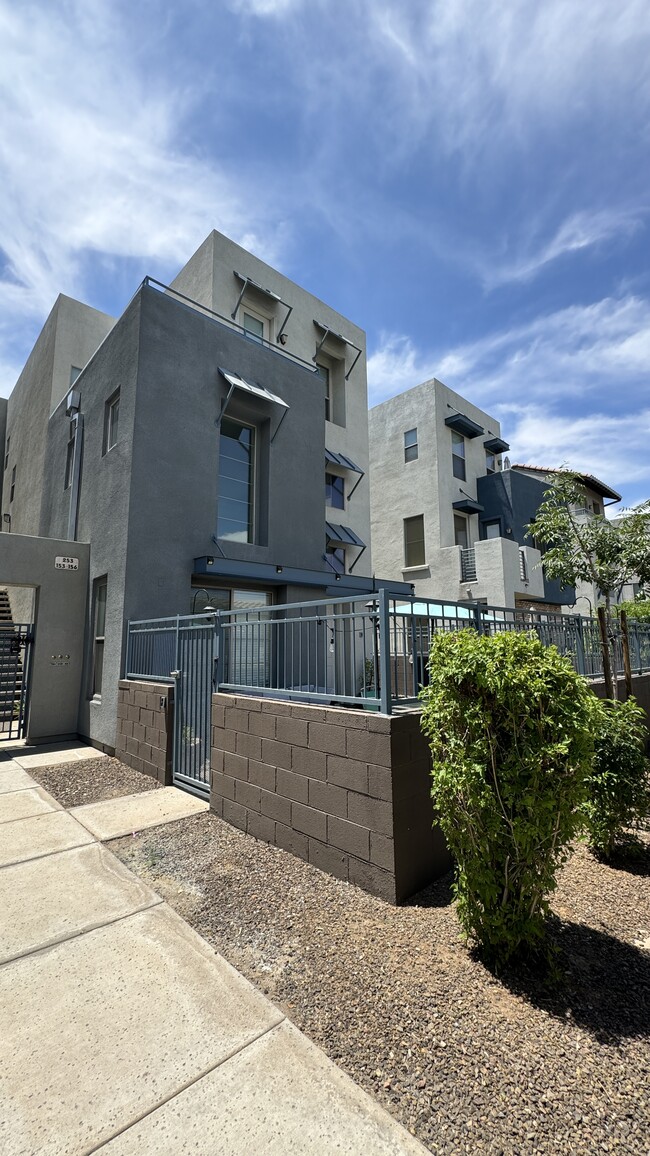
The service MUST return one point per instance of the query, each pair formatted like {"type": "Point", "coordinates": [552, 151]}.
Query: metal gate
{"type": "Point", "coordinates": [196, 652]}
{"type": "Point", "coordinates": [15, 670]}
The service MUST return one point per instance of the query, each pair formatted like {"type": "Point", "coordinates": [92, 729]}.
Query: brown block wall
{"type": "Point", "coordinates": [345, 790]}
{"type": "Point", "coordinates": [145, 728]}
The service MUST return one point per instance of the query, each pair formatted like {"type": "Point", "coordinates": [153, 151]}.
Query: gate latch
{"type": "Point", "coordinates": [14, 645]}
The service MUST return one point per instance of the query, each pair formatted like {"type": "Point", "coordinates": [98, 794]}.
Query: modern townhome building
{"type": "Point", "coordinates": [449, 514]}
{"type": "Point", "coordinates": [210, 445]}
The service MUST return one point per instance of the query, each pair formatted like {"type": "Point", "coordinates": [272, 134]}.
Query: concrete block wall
{"type": "Point", "coordinates": [145, 728]}
{"type": "Point", "coordinates": [347, 791]}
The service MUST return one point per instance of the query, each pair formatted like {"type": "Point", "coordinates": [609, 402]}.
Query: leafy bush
{"type": "Point", "coordinates": [509, 724]}
{"type": "Point", "coordinates": [638, 610]}
{"type": "Point", "coordinates": [618, 786]}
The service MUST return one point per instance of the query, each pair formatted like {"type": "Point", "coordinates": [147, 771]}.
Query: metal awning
{"type": "Point", "coordinates": [274, 297]}
{"type": "Point", "coordinates": [341, 460]}
{"type": "Point", "coordinates": [343, 535]}
{"type": "Point", "coordinates": [464, 425]}
{"type": "Point", "coordinates": [468, 506]}
{"type": "Point", "coordinates": [236, 382]}
{"type": "Point", "coordinates": [496, 445]}
{"type": "Point", "coordinates": [328, 332]}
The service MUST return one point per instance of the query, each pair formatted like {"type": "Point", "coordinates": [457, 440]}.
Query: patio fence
{"type": "Point", "coordinates": [346, 650]}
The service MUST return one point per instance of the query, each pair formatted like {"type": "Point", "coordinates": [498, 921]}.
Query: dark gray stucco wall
{"type": "Point", "coordinates": [173, 510]}
{"type": "Point", "coordinates": [515, 498]}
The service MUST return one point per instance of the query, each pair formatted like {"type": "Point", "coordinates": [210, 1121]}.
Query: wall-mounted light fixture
{"type": "Point", "coordinates": [278, 569]}
{"type": "Point", "coordinates": [209, 561]}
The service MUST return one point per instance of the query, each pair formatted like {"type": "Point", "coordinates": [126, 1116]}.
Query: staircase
{"type": "Point", "coordinates": [11, 672]}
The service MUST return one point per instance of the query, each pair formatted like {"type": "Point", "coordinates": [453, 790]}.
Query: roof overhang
{"type": "Point", "coordinates": [327, 332]}
{"type": "Point", "coordinates": [274, 298]}
{"type": "Point", "coordinates": [346, 463]}
{"type": "Point", "coordinates": [342, 535]}
{"type": "Point", "coordinates": [496, 445]}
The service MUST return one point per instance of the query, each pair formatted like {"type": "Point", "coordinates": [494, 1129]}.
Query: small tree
{"type": "Point", "coordinates": [619, 782]}
{"type": "Point", "coordinates": [639, 610]}
{"type": "Point", "coordinates": [509, 724]}
{"type": "Point", "coordinates": [599, 551]}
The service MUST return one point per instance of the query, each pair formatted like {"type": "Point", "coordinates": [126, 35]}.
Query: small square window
{"type": "Point", "coordinates": [335, 491]}
{"type": "Point", "coordinates": [410, 445]}
{"type": "Point", "coordinates": [253, 327]}
{"type": "Point", "coordinates": [458, 455]}
{"type": "Point", "coordinates": [111, 421]}
{"type": "Point", "coordinates": [414, 551]}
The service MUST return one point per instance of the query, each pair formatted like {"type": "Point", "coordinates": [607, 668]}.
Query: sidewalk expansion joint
{"type": "Point", "coordinates": [184, 1087]}
{"type": "Point", "coordinates": [77, 934]}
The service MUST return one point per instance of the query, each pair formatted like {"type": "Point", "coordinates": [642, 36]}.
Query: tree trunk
{"type": "Point", "coordinates": [610, 690]}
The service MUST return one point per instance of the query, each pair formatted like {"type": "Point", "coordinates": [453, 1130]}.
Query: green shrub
{"type": "Point", "coordinates": [509, 725]}
{"type": "Point", "coordinates": [640, 611]}
{"type": "Point", "coordinates": [618, 786]}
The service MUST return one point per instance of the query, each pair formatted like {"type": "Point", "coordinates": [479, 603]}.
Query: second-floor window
{"type": "Point", "coordinates": [111, 421]}
{"type": "Point", "coordinates": [335, 491]}
{"type": "Point", "coordinates": [235, 516]}
{"type": "Point", "coordinates": [458, 455]}
{"type": "Point", "coordinates": [410, 445]}
{"type": "Point", "coordinates": [490, 462]}
{"type": "Point", "coordinates": [324, 373]}
{"type": "Point", "coordinates": [253, 326]}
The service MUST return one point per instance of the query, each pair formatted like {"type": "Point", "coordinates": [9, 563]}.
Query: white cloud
{"type": "Point", "coordinates": [90, 161]}
{"type": "Point", "coordinates": [264, 7]}
{"type": "Point", "coordinates": [571, 386]}
{"type": "Point", "coordinates": [581, 230]}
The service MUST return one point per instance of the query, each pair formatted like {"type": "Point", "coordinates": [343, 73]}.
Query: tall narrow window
{"type": "Point", "coordinates": [13, 485]}
{"type": "Point", "coordinates": [99, 633]}
{"type": "Point", "coordinates": [236, 481]}
{"type": "Point", "coordinates": [323, 371]}
{"type": "Point", "coordinates": [335, 491]}
{"type": "Point", "coordinates": [458, 455]}
{"type": "Point", "coordinates": [461, 536]}
{"type": "Point", "coordinates": [69, 462]}
{"type": "Point", "coordinates": [7, 452]}
{"type": "Point", "coordinates": [414, 552]}
{"type": "Point", "coordinates": [490, 462]}
{"type": "Point", "coordinates": [111, 421]}
{"type": "Point", "coordinates": [410, 445]}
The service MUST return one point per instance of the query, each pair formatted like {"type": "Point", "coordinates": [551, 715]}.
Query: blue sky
{"type": "Point", "coordinates": [465, 179]}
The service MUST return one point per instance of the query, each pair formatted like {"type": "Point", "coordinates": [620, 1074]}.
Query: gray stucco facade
{"type": "Point", "coordinates": [148, 498]}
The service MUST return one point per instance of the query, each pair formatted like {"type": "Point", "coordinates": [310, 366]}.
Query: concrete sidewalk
{"type": "Point", "coordinates": [122, 1031]}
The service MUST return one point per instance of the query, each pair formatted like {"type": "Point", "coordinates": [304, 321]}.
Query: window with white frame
{"type": "Point", "coordinates": [458, 455]}
{"type": "Point", "coordinates": [410, 445]}
{"type": "Point", "coordinates": [414, 548]}
{"type": "Point", "coordinates": [490, 462]}
{"type": "Point", "coordinates": [254, 325]}
{"type": "Point", "coordinates": [111, 421]}
{"type": "Point", "coordinates": [235, 516]}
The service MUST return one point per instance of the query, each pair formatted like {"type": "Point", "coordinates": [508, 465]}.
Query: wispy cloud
{"type": "Point", "coordinates": [91, 163]}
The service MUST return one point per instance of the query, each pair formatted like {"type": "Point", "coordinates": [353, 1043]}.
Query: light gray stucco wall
{"type": "Point", "coordinates": [58, 652]}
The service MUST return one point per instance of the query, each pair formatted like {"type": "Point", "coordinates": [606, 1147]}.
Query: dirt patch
{"type": "Point", "coordinates": [468, 1063]}
{"type": "Point", "coordinates": [91, 781]}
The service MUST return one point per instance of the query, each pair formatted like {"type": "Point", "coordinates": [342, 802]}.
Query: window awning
{"type": "Point", "coordinates": [468, 506]}
{"type": "Point", "coordinates": [268, 293]}
{"type": "Point", "coordinates": [496, 445]}
{"type": "Point", "coordinates": [341, 460]}
{"type": "Point", "coordinates": [464, 425]}
{"type": "Point", "coordinates": [343, 535]}
{"type": "Point", "coordinates": [328, 332]}
{"type": "Point", "coordinates": [258, 390]}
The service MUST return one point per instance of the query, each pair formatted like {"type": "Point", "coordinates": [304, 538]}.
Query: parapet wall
{"type": "Point", "coordinates": [346, 790]}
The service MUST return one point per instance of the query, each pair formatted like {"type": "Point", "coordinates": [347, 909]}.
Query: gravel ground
{"type": "Point", "coordinates": [468, 1063]}
{"type": "Point", "coordinates": [90, 781]}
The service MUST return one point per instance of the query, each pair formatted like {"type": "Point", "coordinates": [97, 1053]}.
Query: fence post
{"type": "Point", "coordinates": [478, 618]}
{"type": "Point", "coordinates": [218, 653]}
{"type": "Point", "coordinates": [626, 654]}
{"type": "Point", "coordinates": [580, 647]}
{"type": "Point", "coordinates": [607, 664]}
{"type": "Point", "coordinates": [384, 654]}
